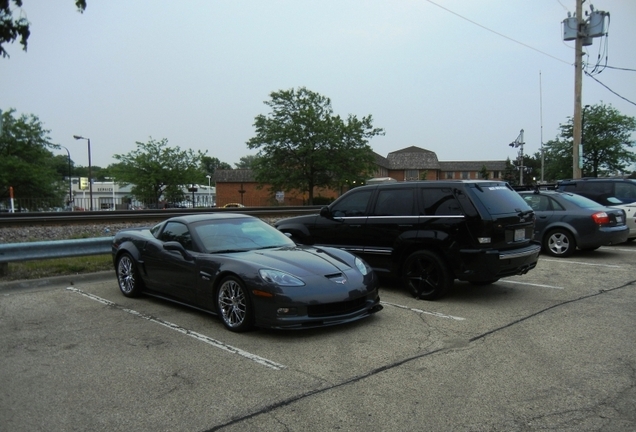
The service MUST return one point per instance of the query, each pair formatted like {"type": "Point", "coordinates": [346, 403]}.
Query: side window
{"type": "Point", "coordinates": [534, 201]}
{"type": "Point", "coordinates": [175, 231]}
{"type": "Point", "coordinates": [394, 202]}
{"type": "Point", "coordinates": [440, 201]}
{"type": "Point", "coordinates": [554, 205]}
{"type": "Point", "coordinates": [353, 204]}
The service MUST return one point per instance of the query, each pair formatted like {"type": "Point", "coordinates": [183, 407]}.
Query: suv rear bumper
{"type": "Point", "coordinates": [483, 264]}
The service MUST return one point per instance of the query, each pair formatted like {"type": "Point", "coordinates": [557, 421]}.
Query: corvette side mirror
{"type": "Point", "coordinates": [178, 247]}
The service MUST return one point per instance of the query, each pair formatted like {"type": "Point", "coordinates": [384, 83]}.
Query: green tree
{"type": "Point", "coordinates": [209, 165]}
{"type": "Point", "coordinates": [245, 162]}
{"type": "Point", "coordinates": [97, 172]}
{"type": "Point", "coordinates": [484, 173]}
{"type": "Point", "coordinates": [510, 173]}
{"type": "Point", "coordinates": [607, 144]}
{"type": "Point", "coordinates": [158, 171]}
{"type": "Point", "coordinates": [12, 28]}
{"type": "Point", "coordinates": [302, 145]}
{"type": "Point", "coordinates": [26, 163]}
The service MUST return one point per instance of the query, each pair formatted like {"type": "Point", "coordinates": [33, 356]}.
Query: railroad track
{"type": "Point", "coordinates": [57, 218]}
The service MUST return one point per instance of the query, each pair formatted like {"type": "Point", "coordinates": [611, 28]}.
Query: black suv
{"type": "Point", "coordinates": [428, 232]}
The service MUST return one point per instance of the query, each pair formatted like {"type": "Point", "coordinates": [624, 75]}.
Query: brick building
{"type": "Point", "coordinates": [411, 163]}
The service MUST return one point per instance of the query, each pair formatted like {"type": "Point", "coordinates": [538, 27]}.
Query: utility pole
{"type": "Point", "coordinates": [582, 32]}
{"type": "Point", "coordinates": [578, 86]}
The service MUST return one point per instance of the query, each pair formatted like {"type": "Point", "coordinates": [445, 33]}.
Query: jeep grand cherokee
{"type": "Point", "coordinates": [429, 233]}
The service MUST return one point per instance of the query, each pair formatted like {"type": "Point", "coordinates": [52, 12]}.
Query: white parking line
{"type": "Point", "coordinates": [579, 262]}
{"type": "Point", "coordinates": [195, 335]}
{"type": "Point", "coordinates": [531, 284]}
{"type": "Point", "coordinates": [437, 314]}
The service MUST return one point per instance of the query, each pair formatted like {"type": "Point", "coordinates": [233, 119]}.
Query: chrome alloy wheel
{"type": "Point", "coordinates": [232, 303]}
{"type": "Point", "coordinates": [126, 275]}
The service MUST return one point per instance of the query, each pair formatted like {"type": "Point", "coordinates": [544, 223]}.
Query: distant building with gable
{"type": "Point", "coordinates": [410, 163]}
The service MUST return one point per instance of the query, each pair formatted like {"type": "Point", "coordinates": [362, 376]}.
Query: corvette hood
{"type": "Point", "coordinates": [300, 261]}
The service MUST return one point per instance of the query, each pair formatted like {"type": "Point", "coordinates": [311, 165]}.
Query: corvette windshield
{"type": "Point", "coordinates": [235, 235]}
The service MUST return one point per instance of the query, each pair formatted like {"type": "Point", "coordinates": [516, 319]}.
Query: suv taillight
{"type": "Point", "coordinates": [601, 218]}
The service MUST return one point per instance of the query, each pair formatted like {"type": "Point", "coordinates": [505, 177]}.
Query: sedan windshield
{"type": "Point", "coordinates": [235, 235]}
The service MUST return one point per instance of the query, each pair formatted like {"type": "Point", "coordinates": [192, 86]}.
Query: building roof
{"type": "Point", "coordinates": [499, 165]}
{"type": "Point", "coordinates": [234, 175]}
{"type": "Point", "coordinates": [413, 158]}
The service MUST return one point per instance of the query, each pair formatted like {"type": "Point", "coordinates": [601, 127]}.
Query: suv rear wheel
{"type": "Point", "coordinates": [426, 276]}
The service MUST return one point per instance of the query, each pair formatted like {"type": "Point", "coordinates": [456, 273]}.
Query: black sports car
{"type": "Point", "coordinates": [246, 271]}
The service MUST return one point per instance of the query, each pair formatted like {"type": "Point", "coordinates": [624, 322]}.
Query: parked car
{"type": "Point", "coordinates": [231, 205]}
{"type": "Point", "coordinates": [566, 221]}
{"type": "Point", "coordinates": [246, 271]}
{"type": "Point", "coordinates": [428, 233]}
{"type": "Point", "coordinates": [610, 191]}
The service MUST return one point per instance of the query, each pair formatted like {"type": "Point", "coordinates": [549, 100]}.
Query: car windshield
{"type": "Point", "coordinates": [580, 201]}
{"type": "Point", "coordinates": [234, 235]}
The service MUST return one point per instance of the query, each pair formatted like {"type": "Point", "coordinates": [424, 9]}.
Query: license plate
{"type": "Point", "coordinates": [520, 234]}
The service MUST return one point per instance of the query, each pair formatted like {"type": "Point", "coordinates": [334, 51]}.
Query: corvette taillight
{"type": "Point", "coordinates": [601, 218]}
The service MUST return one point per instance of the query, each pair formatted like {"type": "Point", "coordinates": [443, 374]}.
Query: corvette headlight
{"type": "Point", "coordinates": [364, 269]}
{"type": "Point", "coordinates": [280, 278]}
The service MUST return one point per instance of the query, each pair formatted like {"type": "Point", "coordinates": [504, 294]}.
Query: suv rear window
{"type": "Point", "coordinates": [498, 198]}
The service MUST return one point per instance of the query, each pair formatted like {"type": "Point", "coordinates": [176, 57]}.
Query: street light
{"type": "Point", "coordinates": [70, 180]}
{"type": "Point", "coordinates": [90, 172]}
{"type": "Point", "coordinates": [209, 177]}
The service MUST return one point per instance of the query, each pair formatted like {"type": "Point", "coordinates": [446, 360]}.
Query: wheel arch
{"type": "Point", "coordinates": [560, 226]}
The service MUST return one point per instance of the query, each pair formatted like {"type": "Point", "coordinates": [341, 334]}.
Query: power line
{"type": "Point", "coordinates": [591, 76]}
{"type": "Point", "coordinates": [618, 68]}
{"type": "Point", "coordinates": [497, 33]}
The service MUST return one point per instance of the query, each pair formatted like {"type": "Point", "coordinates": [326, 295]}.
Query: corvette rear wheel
{"type": "Point", "coordinates": [130, 283]}
{"type": "Point", "coordinates": [426, 275]}
{"type": "Point", "coordinates": [234, 305]}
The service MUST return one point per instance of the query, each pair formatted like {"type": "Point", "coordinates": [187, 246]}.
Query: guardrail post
{"type": "Point", "coordinates": [4, 268]}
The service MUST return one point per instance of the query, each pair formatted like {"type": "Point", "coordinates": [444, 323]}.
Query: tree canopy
{"type": "Point", "coordinates": [303, 145]}
{"type": "Point", "coordinates": [26, 163]}
{"type": "Point", "coordinates": [158, 171]}
{"type": "Point", "coordinates": [607, 144]}
{"type": "Point", "coordinates": [12, 28]}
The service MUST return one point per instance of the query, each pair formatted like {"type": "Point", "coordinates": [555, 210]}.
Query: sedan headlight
{"type": "Point", "coordinates": [362, 266]}
{"type": "Point", "coordinates": [280, 278]}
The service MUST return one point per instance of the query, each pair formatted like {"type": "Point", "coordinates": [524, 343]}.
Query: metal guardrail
{"type": "Point", "coordinates": [14, 252]}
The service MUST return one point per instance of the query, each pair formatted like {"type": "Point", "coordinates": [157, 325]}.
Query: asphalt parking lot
{"type": "Point", "coordinates": [551, 350]}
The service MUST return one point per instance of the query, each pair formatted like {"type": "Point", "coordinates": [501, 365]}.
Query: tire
{"type": "Point", "coordinates": [426, 275]}
{"type": "Point", "coordinates": [234, 305]}
{"type": "Point", "coordinates": [559, 243]}
{"type": "Point", "coordinates": [130, 283]}
{"type": "Point", "coordinates": [631, 239]}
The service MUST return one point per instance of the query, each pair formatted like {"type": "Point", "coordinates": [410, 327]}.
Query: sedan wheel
{"type": "Point", "coordinates": [426, 276]}
{"type": "Point", "coordinates": [130, 284]}
{"type": "Point", "coordinates": [559, 243]}
{"type": "Point", "coordinates": [234, 306]}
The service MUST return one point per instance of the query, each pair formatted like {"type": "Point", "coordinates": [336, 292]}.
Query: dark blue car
{"type": "Point", "coordinates": [566, 221]}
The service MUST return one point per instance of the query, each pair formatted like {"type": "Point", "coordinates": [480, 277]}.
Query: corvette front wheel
{"type": "Point", "coordinates": [234, 306]}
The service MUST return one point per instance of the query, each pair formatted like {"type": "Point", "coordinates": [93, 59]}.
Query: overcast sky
{"type": "Point", "coordinates": [461, 80]}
